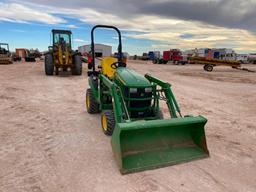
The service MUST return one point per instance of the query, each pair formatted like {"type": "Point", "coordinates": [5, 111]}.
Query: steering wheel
{"type": "Point", "coordinates": [117, 64]}
{"type": "Point", "coordinates": [114, 65]}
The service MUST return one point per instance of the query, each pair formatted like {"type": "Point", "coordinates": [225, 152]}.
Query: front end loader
{"type": "Point", "coordinates": [5, 55]}
{"type": "Point", "coordinates": [140, 136]}
{"type": "Point", "coordinates": [61, 56]}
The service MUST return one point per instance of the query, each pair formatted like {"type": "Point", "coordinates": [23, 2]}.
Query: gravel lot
{"type": "Point", "coordinates": [49, 143]}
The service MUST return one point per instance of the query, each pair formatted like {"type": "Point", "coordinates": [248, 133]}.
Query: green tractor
{"type": "Point", "coordinates": [61, 55]}
{"type": "Point", "coordinates": [141, 138]}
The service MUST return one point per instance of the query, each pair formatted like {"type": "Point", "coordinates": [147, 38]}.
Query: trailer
{"type": "Point", "coordinates": [210, 63]}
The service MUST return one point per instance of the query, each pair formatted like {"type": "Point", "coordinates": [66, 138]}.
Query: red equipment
{"type": "Point", "coordinates": [87, 58]}
{"type": "Point", "coordinates": [173, 55]}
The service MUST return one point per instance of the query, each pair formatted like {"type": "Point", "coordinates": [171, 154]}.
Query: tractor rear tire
{"type": "Point", "coordinates": [108, 122]}
{"type": "Point", "coordinates": [208, 67]}
{"type": "Point", "coordinates": [92, 105]}
{"type": "Point", "coordinates": [77, 69]}
{"type": "Point", "coordinates": [48, 64]}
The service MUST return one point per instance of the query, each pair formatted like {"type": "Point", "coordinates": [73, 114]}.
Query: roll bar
{"type": "Point", "coordinates": [93, 47]}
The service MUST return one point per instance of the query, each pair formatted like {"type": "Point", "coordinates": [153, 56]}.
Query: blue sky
{"type": "Point", "coordinates": [27, 24]}
{"type": "Point", "coordinates": [36, 35]}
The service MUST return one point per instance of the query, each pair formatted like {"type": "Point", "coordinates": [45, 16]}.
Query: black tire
{"type": "Point", "coordinates": [77, 69]}
{"type": "Point", "coordinates": [108, 122]}
{"type": "Point", "coordinates": [154, 61]}
{"type": "Point", "coordinates": [92, 105]}
{"type": "Point", "coordinates": [208, 67]}
{"type": "Point", "coordinates": [48, 64]}
{"type": "Point", "coordinates": [165, 62]}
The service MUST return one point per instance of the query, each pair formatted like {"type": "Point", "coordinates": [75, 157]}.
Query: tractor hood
{"type": "Point", "coordinates": [131, 78]}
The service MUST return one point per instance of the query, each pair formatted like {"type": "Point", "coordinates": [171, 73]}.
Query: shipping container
{"type": "Point", "coordinates": [21, 52]}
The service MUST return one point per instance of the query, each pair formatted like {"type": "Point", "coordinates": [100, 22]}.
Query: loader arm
{"type": "Point", "coordinates": [119, 110]}
{"type": "Point", "coordinates": [169, 96]}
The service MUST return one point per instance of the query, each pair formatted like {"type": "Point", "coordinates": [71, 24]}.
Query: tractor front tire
{"type": "Point", "coordinates": [48, 64]}
{"type": "Point", "coordinates": [77, 69]}
{"type": "Point", "coordinates": [92, 105]}
{"type": "Point", "coordinates": [108, 122]}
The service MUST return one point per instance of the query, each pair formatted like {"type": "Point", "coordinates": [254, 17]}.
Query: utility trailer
{"type": "Point", "coordinates": [209, 63]}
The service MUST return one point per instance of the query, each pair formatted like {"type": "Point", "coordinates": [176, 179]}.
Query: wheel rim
{"type": "Point", "coordinates": [88, 101]}
{"type": "Point", "coordinates": [104, 122]}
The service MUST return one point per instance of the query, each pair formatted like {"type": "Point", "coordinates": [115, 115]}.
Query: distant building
{"type": "Point", "coordinates": [101, 50]}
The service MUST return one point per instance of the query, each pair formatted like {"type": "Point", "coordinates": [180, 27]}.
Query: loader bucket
{"type": "Point", "coordinates": [143, 145]}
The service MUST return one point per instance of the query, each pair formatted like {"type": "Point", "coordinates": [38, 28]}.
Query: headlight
{"type": "Point", "coordinates": [64, 56]}
{"type": "Point", "coordinates": [148, 89]}
{"type": "Point", "coordinates": [133, 90]}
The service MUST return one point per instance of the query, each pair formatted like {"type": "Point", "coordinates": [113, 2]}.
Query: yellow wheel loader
{"type": "Point", "coordinates": [61, 56]}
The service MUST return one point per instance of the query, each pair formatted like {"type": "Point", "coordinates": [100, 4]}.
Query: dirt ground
{"type": "Point", "coordinates": [49, 143]}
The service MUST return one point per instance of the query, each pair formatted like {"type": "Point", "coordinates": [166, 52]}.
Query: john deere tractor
{"type": "Point", "coordinates": [61, 55]}
{"type": "Point", "coordinates": [141, 137]}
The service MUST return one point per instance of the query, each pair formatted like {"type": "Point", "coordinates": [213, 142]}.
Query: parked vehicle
{"type": "Point", "coordinates": [5, 55]}
{"type": "Point", "coordinates": [252, 58]}
{"type": "Point", "coordinates": [16, 57]}
{"type": "Point", "coordinates": [242, 58]}
{"type": "Point", "coordinates": [30, 56]}
{"type": "Point", "coordinates": [61, 55]}
{"type": "Point", "coordinates": [145, 57]}
{"type": "Point", "coordinates": [174, 55]}
{"type": "Point", "coordinates": [153, 55]}
{"type": "Point", "coordinates": [131, 114]}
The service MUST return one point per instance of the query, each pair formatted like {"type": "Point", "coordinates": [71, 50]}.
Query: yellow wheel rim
{"type": "Point", "coordinates": [88, 101]}
{"type": "Point", "coordinates": [104, 122]}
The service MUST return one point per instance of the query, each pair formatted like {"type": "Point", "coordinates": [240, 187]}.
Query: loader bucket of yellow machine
{"type": "Point", "coordinates": [142, 145]}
